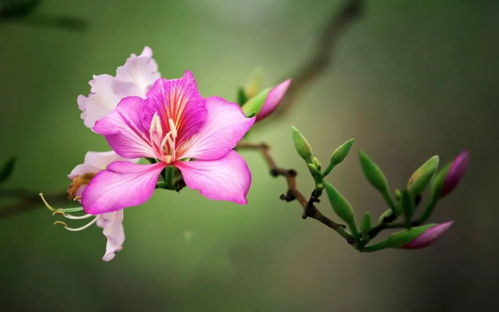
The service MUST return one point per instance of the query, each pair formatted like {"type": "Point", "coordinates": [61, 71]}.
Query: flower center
{"type": "Point", "coordinates": [163, 143]}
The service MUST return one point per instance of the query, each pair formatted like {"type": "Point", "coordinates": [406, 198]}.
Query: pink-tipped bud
{"type": "Point", "coordinates": [456, 172]}
{"type": "Point", "coordinates": [273, 100]}
{"type": "Point", "coordinates": [429, 236]}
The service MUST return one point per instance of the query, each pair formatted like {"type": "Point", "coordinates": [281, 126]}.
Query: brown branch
{"type": "Point", "coordinates": [322, 56]}
{"type": "Point", "coordinates": [309, 208]}
{"type": "Point", "coordinates": [28, 200]}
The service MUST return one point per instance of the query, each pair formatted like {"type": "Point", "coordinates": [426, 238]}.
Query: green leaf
{"type": "Point", "coordinates": [255, 104]}
{"type": "Point", "coordinates": [365, 224]}
{"type": "Point", "coordinates": [7, 169]}
{"type": "Point", "coordinates": [302, 146]}
{"type": "Point", "coordinates": [399, 239]}
{"type": "Point", "coordinates": [341, 207]}
{"type": "Point", "coordinates": [241, 96]}
{"type": "Point", "coordinates": [339, 154]}
{"type": "Point", "coordinates": [422, 176]}
{"type": "Point", "coordinates": [376, 177]}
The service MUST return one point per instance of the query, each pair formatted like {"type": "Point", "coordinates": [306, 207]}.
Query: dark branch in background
{"type": "Point", "coordinates": [312, 69]}
{"type": "Point", "coordinates": [26, 201]}
{"type": "Point", "coordinates": [322, 56]}
{"type": "Point", "coordinates": [23, 12]}
{"type": "Point", "coordinates": [308, 205]}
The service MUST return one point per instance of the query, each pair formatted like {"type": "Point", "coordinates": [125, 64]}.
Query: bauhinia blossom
{"type": "Point", "coordinates": [177, 127]}
{"type": "Point", "coordinates": [429, 236]}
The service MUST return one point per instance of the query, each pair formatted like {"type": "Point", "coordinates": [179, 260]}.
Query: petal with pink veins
{"type": "Point", "coordinates": [273, 99]}
{"type": "Point", "coordinates": [179, 100]}
{"type": "Point", "coordinates": [112, 228]}
{"type": "Point", "coordinates": [124, 131]}
{"type": "Point", "coordinates": [121, 185]}
{"type": "Point", "coordinates": [227, 178]}
{"type": "Point", "coordinates": [224, 127]}
{"type": "Point", "coordinates": [132, 79]}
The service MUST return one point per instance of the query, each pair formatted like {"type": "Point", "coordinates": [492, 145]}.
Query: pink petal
{"type": "Point", "coordinates": [112, 225]}
{"type": "Point", "coordinates": [273, 99]}
{"type": "Point", "coordinates": [124, 131]}
{"type": "Point", "coordinates": [224, 127]}
{"type": "Point", "coordinates": [179, 100]}
{"type": "Point", "coordinates": [227, 178]}
{"type": "Point", "coordinates": [429, 236]}
{"type": "Point", "coordinates": [121, 185]}
{"type": "Point", "coordinates": [132, 79]}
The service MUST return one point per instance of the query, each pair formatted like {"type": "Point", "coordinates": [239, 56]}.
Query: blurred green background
{"type": "Point", "coordinates": [410, 79]}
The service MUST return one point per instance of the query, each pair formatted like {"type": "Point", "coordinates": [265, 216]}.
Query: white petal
{"type": "Point", "coordinates": [132, 79]}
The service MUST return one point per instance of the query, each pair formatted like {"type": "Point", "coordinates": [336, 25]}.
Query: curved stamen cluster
{"type": "Point", "coordinates": [163, 144]}
{"type": "Point", "coordinates": [62, 212]}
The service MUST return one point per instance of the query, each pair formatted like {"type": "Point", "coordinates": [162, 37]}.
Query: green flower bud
{"type": "Point", "coordinates": [338, 155]}
{"type": "Point", "coordinates": [302, 146]}
{"type": "Point", "coordinates": [341, 207]}
{"type": "Point", "coordinates": [376, 177]}
{"type": "Point", "coordinates": [255, 104]}
{"type": "Point", "coordinates": [422, 176]}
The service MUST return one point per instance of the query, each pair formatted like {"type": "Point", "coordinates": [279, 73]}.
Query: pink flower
{"type": "Point", "coordinates": [134, 78]}
{"type": "Point", "coordinates": [273, 100]}
{"type": "Point", "coordinates": [176, 126]}
{"type": "Point", "coordinates": [111, 223]}
{"type": "Point", "coordinates": [429, 236]}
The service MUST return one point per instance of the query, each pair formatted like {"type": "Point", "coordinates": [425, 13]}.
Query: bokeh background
{"type": "Point", "coordinates": [409, 79]}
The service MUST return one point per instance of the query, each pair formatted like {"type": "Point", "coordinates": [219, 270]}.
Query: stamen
{"type": "Point", "coordinates": [73, 217]}
{"type": "Point", "coordinates": [155, 127]}
{"type": "Point", "coordinates": [46, 203]}
{"type": "Point", "coordinates": [173, 129]}
{"type": "Point", "coordinates": [76, 229]}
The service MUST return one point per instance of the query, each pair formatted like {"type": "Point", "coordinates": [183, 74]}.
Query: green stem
{"type": "Point", "coordinates": [428, 210]}
{"type": "Point", "coordinates": [328, 169]}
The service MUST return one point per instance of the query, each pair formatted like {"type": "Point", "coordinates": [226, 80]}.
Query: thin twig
{"type": "Point", "coordinates": [28, 200]}
{"type": "Point", "coordinates": [309, 208]}
{"type": "Point", "coordinates": [322, 56]}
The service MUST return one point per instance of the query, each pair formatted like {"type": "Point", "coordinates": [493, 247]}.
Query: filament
{"type": "Point", "coordinates": [76, 229]}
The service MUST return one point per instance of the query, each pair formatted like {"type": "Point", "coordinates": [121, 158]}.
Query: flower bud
{"type": "Point", "coordinates": [429, 236]}
{"type": "Point", "coordinates": [341, 207]}
{"type": "Point", "coordinates": [376, 177]}
{"type": "Point", "coordinates": [302, 146]}
{"type": "Point", "coordinates": [255, 104]}
{"type": "Point", "coordinates": [422, 176]}
{"type": "Point", "coordinates": [456, 172]}
{"type": "Point", "coordinates": [449, 177]}
{"type": "Point", "coordinates": [338, 155]}
{"type": "Point", "coordinates": [341, 152]}
{"type": "Point", "coordinates": [416, 237]}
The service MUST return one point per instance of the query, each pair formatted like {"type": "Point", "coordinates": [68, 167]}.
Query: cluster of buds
{"type": "Point", "coordinates": [404, 205]}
